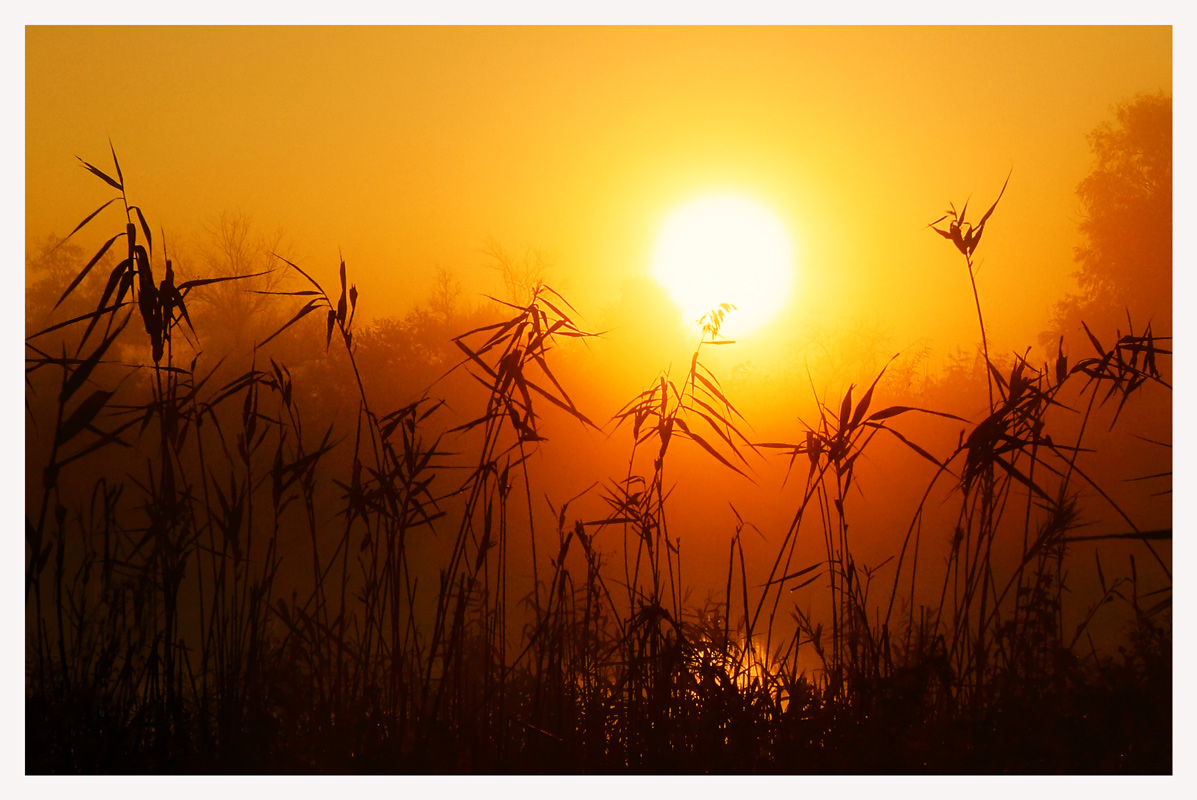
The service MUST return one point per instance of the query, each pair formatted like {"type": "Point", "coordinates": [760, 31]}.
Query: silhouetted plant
{"type": "Point", "coordinates": [175, 623]}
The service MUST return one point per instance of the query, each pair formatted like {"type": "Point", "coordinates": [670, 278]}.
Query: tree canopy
{"type": "Point", "coordinates": [1125, 259]}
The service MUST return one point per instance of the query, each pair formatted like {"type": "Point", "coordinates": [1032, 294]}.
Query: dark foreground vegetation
{"type": "Point", "coordinates": [215, 586]}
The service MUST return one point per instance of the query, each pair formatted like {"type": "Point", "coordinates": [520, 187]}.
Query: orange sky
{"type": "Point", "coordinates": [406, 148]}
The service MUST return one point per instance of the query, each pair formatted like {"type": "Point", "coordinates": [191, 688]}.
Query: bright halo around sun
{"type": "Point", "coordinates": [725, 249]}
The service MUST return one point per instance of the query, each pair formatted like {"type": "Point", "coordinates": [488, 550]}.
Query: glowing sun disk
{"type": "Point", "coordinates": [725, 249]}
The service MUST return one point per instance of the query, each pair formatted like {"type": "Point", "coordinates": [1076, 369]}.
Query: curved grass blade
{"type": "Point", "coordinates": [681, 423]}
{"type": "Point", "coordinates": [981, 224]}
{"type": "Point", "coordinates": [82, 416]}
{"type": "Point", "coordinates": [303, 312]}
{"type": "Point", "coordinates": [86, 220]}
{"type": "Point", "coordinates": [80, 375]}
{"type": "Point", "coordinates": [145, 228]}
{"type": "Point", "coordinates": [295, 267]}
{"type": "Point", "coordinates": [93, 315]}
{"type": "Point", "coordinates": [915, 448]}
{"type": "Point", "coordinates": [100, 174]}
{"type": "Point", "coordinates": [893, 411]}
{"type": "Point", "coordinates": [83, 273]}
{"type": "Point", "coordinates": [188, 285]}
{"type": "Point", "coordinates": [117, 163]}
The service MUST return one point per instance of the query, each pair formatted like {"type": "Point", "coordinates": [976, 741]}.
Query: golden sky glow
{"type": "Point", "coordinates": [406, 149]}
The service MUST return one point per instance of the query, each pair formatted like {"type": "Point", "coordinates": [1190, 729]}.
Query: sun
{"type": "Point", "coordinates": [725, 248]}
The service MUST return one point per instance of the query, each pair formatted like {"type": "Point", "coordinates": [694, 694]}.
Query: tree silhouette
{"type": "Point", "coordinates": [245, 312]}
{"type": "Point", "coordinates": [521, 274]}
{"type": "Point", "coordinates": [1126, 258]}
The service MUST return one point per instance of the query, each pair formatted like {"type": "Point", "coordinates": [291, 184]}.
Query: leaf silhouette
{"type": "Point", "coordinates": [341, 303]}
{"type": "Point", "coordinates": [80, 375]}
{"type": "Point", "coordinates": [86, 220]}
{"type": "Point", "coordinates": [988, 213]}
{"type": "Point", "coordinates": [187, 285]}
{"type": "Point", "coordinates": [117, 163]}
{"type": "Point", "coordinates": [1096, 344]}
{"type": "Point", "coordinates": [303, 312]}
{"type": "Point", "coordinates": [82, 416]}
{"type": "Point", "coordinates": [83, 273]}
{"type": "Point", "coordinates": [100, 174]}
{"type": "Point", "coordinates": [706, 446]}
{"type": "Point", "coordinates": [145, 229]}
